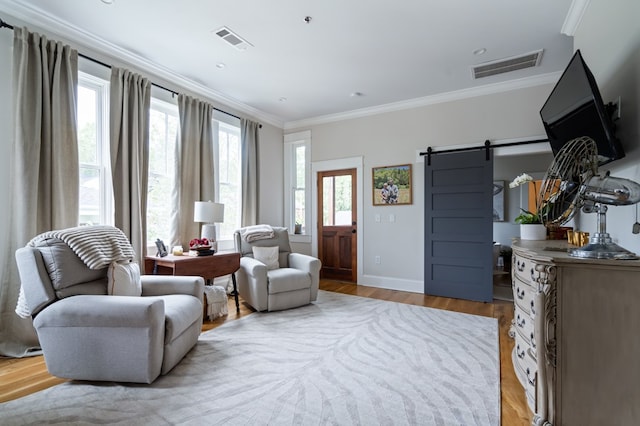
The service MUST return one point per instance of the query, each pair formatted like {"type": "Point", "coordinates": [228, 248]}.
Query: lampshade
{"type": "Point", "coordinates": [208, 212]}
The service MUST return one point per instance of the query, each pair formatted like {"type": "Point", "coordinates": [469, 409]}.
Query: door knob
{"type": "Point", "coordinates": [353, 231]}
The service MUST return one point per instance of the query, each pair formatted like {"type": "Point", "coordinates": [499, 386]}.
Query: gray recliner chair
{"type": "Point", "coordinates": [292, 283]}
{"type": "Point", "coordinates": [86, 334]}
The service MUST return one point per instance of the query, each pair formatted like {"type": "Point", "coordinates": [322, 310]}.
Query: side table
{"type": "Point", "coordinates": [208, 267]}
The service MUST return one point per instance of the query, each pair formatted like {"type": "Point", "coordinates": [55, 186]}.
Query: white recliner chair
{"type": "Point", "coordinates": [290, 282]}
{"type": "Point", "coordinates": [86, 334]}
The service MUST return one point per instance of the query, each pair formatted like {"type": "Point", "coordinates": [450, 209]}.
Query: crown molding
{"type": "Point", "coordinates": [489, 89]}
{"type": "Point", "coordinates": [91, 43]}
{"type": "Point", "coordinates": [574, 17]}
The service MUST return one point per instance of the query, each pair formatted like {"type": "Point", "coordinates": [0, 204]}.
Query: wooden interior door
{"type": "Point", "coordinates": [337, 227]}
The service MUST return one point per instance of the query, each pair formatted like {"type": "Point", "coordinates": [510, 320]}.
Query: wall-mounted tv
{"type": "Point", "coordinates": [575, 108]}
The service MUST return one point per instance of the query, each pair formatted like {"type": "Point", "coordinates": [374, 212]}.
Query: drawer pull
{"type": "Point", "coordinates": [520, 266]}
{"type": "Point", "coordinates": [531, 381]}
{"type": "Point", "coordinates": [533, 309]}
{"type": "Point", "coordinates": [519, 293]}
{"type": "Point", "coordinates": [519, 352]}
{"type": "Point", "coordinates": [533, 341]}
{"type": "Point", "coordinates": [520, 321]}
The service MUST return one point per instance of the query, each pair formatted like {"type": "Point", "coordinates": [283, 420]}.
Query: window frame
{"type": "Point", "coordinates": [103, 163]}
{"type": "Point", "coordinates": [168, 108]}
{"type": "Point", "coordinates": [221, 119]}
{"type": "Point", "coordinates": [293, 141]}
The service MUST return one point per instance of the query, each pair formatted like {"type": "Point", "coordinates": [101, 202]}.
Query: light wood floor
{"type": "Point", "coordinates": [20, 377]}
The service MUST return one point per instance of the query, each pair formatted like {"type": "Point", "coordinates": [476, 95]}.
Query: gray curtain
{"type": "Point", "coordinates": [249, 136]}
{"type": "Point", "coordinates": [194, 167]}
{"type": "Point", "coordinates": [130, 103]}
{"type": "Point", "coordinates": [45, 181]}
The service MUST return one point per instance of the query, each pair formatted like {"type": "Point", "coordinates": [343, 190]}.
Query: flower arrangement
{"type": "Point", "coordinates": [526, 217]}
{"type": "Point", "coordinates": [199, 244]}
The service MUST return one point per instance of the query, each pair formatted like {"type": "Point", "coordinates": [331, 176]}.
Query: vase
{"type": "Point", "coordinates": [533, 231]}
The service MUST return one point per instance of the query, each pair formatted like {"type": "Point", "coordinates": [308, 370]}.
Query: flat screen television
{"type": "Point", "coordinates": [575, 108]}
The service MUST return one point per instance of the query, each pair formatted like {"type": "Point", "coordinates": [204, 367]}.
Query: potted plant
{"type": "Point", "coordinates": [531, 227]}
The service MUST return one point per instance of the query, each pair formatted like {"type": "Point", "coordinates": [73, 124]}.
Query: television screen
{"type": "Point", "coordinates": [575, 109]}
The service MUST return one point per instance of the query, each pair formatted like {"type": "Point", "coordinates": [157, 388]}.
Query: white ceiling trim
{"type": "Point", "coordinates": [61, 28]}
{"type": "Point", "coordinates": [550, 78]}
{"type": "Point", "coordinates": [574, 17]}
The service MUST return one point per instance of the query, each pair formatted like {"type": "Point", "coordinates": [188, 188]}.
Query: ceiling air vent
{"type": "Point", "coordinates": [501, 66]}
{"type": "Point", "coordinates": [233, 39]}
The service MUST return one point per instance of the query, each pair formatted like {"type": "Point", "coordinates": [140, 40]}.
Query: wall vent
{"type": "Point", "coordinates": [528, 60]}
{"type": "Point", "coordinates": [233, 39]}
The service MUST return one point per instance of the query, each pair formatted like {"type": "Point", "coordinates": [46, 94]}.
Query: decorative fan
{"type": "Point", "coordinates": [571, 183]}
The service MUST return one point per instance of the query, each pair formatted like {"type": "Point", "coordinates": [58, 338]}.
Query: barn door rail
{"type": "Point", "coordinates": [487, 146]}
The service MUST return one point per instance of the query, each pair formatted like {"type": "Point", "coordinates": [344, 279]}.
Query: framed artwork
{"type": "Point", "coordinates": [392, 185]}
{"type": "Point", "coordinates": [498, 201]}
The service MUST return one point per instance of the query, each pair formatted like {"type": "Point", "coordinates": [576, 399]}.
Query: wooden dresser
{"type": "Point", "coordinates": [577, 335]}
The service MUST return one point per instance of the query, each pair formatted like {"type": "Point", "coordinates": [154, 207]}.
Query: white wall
{"type": "Point", "coordinates": [271, 155]}
{"type": "Point", "coordinates": [392, 139]}
{"type": "Point", "coordinates": [609, 39]}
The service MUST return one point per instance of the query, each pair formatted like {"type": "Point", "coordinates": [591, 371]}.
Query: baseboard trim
{"type": "Point", "coordinates": [392, 283]}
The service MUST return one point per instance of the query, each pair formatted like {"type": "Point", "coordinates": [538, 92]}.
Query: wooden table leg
{"type": "Point", "coordinates": [235, 291]}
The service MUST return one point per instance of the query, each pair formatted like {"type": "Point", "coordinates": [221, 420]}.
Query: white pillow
{"type": "Point", "coordinates": [124, 279]}
{"type": "Point", "coordinates": [267, 255]}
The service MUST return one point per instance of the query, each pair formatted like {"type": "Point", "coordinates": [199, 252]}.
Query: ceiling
{"type": "Point", "coordinates": [352, 56]}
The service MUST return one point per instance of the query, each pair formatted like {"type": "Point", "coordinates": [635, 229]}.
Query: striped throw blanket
{"type": "Point", "coordinates": [256, 232]}
{"type": "Point", "coordinates": [96, 246]}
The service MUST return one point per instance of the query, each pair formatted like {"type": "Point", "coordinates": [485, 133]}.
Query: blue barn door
{"type": "Point", "coordinates": [459, 225]}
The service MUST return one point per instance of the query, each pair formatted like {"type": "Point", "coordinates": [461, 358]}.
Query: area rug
{"type": "Point", "coordinates": [343, 360]}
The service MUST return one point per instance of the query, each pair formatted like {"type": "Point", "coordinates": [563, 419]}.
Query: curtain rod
{"type": "Point", "coordinates": [4, 24]}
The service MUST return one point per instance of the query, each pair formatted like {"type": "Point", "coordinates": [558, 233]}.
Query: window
{"type": "Point", "coordinates": [96, 195]}
{"type": "Point", "coordinates": [228, 177]}
{"type": "Point", "coordinates": [297, 178]}
{"type": "Point", "coordinates": [336, 200]}
{"type": "Point", "coordinates": [163, 129]}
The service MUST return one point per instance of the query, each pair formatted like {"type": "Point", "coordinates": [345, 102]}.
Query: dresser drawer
{"type": "Point", "coordinates": [524, 350]}
{"type": "Point", "coordinates": [524, 325]}
{"type": "Point", "coordinates": [523, 268]}
{"type": "Point", "coordinates": [526, 373]}
{"type": "Point", "coordinates": [523, 295]}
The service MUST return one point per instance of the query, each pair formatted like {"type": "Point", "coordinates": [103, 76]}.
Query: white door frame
{"type": "Point", "coordinates": [342, 163]}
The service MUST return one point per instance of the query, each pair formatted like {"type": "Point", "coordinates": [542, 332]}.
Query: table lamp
{"type": "Point", "coordinates": [209, 213]}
